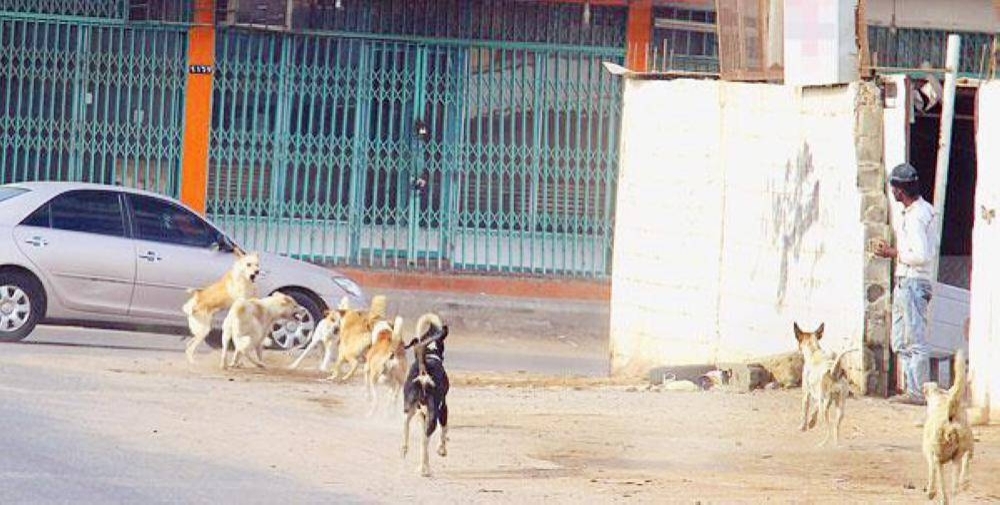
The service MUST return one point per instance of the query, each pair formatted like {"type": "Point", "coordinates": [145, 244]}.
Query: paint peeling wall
{"type": "Point", "coordinates": [738, 213]}
{"type": "Point", "coordinates": [984, 328]}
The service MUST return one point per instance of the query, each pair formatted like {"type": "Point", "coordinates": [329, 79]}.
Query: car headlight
{"type": "Point", "coordinates": [348, 285]}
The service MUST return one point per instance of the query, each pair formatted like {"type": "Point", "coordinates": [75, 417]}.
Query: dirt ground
{"type": "Point", "coordinates": [515, 436]}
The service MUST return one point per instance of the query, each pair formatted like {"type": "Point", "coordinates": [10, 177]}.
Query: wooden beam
{"type": "Point", "coordinates": [639, 35]}
{"type": "Point", "coordinates": [198, 106]}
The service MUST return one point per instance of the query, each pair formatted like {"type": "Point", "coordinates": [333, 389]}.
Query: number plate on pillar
{"type": "Point", "coordinates": [200, 69]}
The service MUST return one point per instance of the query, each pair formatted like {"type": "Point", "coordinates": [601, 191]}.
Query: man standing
{"type": "Point", "coordinates": [915, 251]}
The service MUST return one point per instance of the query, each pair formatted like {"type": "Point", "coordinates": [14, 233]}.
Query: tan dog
{"type": "Point", "coordinates": [220, 295]}
{"type": "Point", "coordinates": [355, 329]}
{"type": "Point", "coordinates": [248, 323]}
{"type": "Point", "coordinates": [824, 384]}
{"type": "Point", "coordinates": [385, 361]}
{"type": "Point", "coordinates": [947, 436]}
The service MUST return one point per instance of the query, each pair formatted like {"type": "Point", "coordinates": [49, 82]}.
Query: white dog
{"type": "Point", "coordinates": [326, 333]}
{"type": "Point", "coordinates": [248, 323]}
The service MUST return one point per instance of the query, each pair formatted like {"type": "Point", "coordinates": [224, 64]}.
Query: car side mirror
{"type": "Point", "coordinates": [222, 244]}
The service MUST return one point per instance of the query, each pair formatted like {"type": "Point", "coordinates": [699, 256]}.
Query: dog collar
{"type": "Point", "coordinates": [433, 356]}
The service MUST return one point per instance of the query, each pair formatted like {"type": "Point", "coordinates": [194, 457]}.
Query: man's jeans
{"type": "Point", "coordinates": [909, 331]}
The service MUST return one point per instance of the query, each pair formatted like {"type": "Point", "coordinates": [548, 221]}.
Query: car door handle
{"type": "Point", "coordinates": [150, 256]}
{"type": "Point", "coordinates": [37, 241]}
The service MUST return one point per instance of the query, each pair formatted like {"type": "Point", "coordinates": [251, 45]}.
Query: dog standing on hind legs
{"type": "Point", "coordinates": [426, 388]}
{"type": "Point", "coordinates": [947, 435]}
{"type": "Point", "coordinates": [824, 384]}
{"type": "Point", "coordinates": [204, 303]}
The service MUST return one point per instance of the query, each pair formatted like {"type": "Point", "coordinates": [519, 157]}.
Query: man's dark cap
{"type": "Point", "coordinates": [904, 172]}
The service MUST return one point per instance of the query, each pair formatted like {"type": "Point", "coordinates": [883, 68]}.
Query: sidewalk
{"type": "Point", "coordinates": [552, 316]}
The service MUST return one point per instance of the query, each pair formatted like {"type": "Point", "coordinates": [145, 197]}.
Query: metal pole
{"type": "Point", "coordinates": [944, 142]}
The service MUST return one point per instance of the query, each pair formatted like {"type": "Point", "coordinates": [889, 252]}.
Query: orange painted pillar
{"type": "Point", "coordinates": [198, 106]}
{"type": "Point", "coordinates": [639, 34]}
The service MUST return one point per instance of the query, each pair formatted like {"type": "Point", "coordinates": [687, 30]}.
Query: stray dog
{"type": "Point", "coordinates": [824, 384]}
{"type": "Point", "coordinates": [385, 361]}
{"type": "Point", "coordinates": [355, 329]}
{"type": "Point", "coordinates": [220, 295]}
{"type": "Point", "coordinates": [248, 323]}
{"type": "Point", "coordinates": [947, 436]}
{"type": "Point", "coordinates": [326, 333]}
{"type": "Point", "coordinates": [426, 387]}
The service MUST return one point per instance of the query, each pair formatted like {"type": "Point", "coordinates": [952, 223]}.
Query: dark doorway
{"type": "Point", "coordinates": [956, 244]}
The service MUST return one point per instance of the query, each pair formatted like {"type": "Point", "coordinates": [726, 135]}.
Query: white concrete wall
{"type": "Point", "coordinates": [738, 213]}
{"type": "Point", "coordinates": [984, 328]}
{"type": "Point", "coordinates": [964, 15]}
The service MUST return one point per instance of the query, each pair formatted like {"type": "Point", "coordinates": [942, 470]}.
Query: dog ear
{"type": "Point", "coordinates": [819, 331]}
{"type": "Point", "coordinates": [444, 332]}
{"type": "Point", "coordinates": [798, 331]}
{"type": "Point", "coordinates": [240, 253]}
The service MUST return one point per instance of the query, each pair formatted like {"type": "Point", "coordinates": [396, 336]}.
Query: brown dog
{"type": "Point", "coordinates": [355, 329]}
{"type": "Point", "coordinates": [385, 361]}
{"type": "Point", "coordinates": [220, 295]}
{"type": "Point", "coordinates": [947, 436]}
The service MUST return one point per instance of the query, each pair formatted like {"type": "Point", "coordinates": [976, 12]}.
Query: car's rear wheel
{"type": "Point", "coordinates": [21, 305]}
{"type": "Point", "coordinates": [292, 333]}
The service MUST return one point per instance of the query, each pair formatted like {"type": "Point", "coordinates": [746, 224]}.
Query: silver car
{"type": "Point", "coordinates": [108, 256]}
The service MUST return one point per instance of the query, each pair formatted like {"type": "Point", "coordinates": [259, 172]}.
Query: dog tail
{"type": "Point", "coordinates": [397, 330]}
{"type": "Point", "coordinates": [838, 364]}
{"type": "Point", "coordinates": [427, 323]}
{"type": "Point", "coordinates": [957, 391]}
{"type": "Point", "coordinates": [377, 309]}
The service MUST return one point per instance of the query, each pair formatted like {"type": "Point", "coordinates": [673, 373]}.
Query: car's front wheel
{"type": "Point", "coordinates": [293, 333]}
{"type": "Point", "coordinates": [21, 305]}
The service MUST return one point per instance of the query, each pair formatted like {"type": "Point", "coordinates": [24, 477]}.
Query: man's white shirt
{"type": "Point", "coordinates": [916, 240]}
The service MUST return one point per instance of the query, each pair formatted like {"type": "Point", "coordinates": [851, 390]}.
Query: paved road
{"type": "Point", "coordinates": [45, 460]}
{"type": "Point", "coordinates": [460, 358]}
{"type": "Point", "coordinates": [47, 456]}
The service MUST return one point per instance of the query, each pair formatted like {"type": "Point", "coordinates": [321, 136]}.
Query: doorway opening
{"type": "Point", "coordinates": [949, 310]}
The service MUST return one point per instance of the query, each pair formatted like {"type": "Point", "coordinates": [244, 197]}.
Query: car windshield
{"type": "Point", "coordinates": [8, 192]}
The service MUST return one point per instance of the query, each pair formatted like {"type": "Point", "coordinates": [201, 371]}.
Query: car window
{"type": "Point", "coordinates": [88, 211]}
{"type": "Point", "coordinates": [39, 218]}
{"type": "Point", "coordinates": [161, 221]}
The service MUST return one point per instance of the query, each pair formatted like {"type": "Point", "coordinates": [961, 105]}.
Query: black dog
{"type": "Point", "coordinates": [426, 387]}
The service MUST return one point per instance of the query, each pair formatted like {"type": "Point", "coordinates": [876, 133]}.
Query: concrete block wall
{"type": "Point", "coordinates": [869, 139]}
{"type": "Point", "coordinates": [738, 213]}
